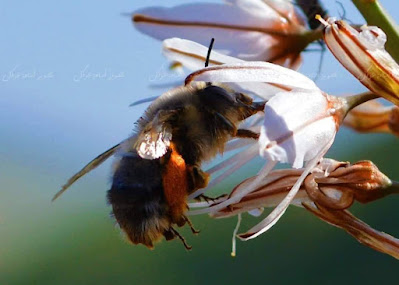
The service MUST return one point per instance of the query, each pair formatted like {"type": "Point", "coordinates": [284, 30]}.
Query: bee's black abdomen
{"type": "Point", "coordinates": [137, 199]}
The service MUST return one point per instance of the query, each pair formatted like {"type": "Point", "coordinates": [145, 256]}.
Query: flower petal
{"type": "Point", "coordinates": [284, 11]}
{"type": "Point", "coordinates": [268, 195]}
{"type": "Point", "coordinates": [193, 56]}
{"type": "Point", "coordinates": [297, 126]}
{"type": "Point", "coordinates": [254, 72]}
{"type": "Point", "coordinates": [258, 8]}
{"type": "Point", "coordinates": [234, 199]}
{"type": "Point", "coordinates": [279, 211]}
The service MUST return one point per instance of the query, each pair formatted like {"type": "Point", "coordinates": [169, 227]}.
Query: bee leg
{"type": "Point", "coordinates": [229, 125]}
{"type": "Point", "coordinates": [169, 235]}
{"type": "Point", "coordinates": [190, 224]}
{"type": "Point", "coordinates": [199, 178]}
{"type": "Point", "coordinates": [183, 240]}
{"type": "Point", "coordinates": [209, 200]}
{"type": "Point", "coordinates": [242, 133]}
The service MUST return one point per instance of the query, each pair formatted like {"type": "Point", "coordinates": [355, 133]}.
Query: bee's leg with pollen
{"type": "Point", "coordinates": [240, 133]}
{"type": "Point", "coordinates": [228, 124]}
{"type": "Point", "coordinates": [177, 234]}
{"type": "Point", "coordinates": [190, 224]}
{"type": "Point", "coordinates": [203, 197]}
{"type": "Point", "coordinates": [199, 179]}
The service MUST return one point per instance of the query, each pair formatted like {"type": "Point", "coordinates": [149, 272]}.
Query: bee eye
{"type": "Point", "coordinates": [240, 97]}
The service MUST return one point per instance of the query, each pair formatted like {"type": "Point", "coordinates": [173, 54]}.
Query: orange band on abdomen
{"type": "Point", "coordinates": [175, 185]}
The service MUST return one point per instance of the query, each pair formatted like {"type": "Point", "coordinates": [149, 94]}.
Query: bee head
{"type": "Point", "coordinates": [236, 106]}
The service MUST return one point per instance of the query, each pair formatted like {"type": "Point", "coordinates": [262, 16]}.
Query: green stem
{"type": "Point", "coordinates": [376, 15]}
{"type": "Point", "coordinates": [356, 100]}
{"type": "Point", "coordinates": [313, 35]}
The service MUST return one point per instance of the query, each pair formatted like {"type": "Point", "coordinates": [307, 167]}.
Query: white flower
{"type": "Point", "coordinates": [265, 30]}
{"type": "Point", "coordinates": [299, 126]}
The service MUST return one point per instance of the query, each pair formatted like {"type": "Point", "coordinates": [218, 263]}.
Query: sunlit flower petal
{"type": "Point", "coordinates": [249, 30]}
{"type": "Point", "coordinates": [192, 54]}
{"type": "Point", "coordinates": [363, 54]}
{"type": "Point", "coordinates": [298, 125]}
{"type": "Point", "coordinates": [254, 72]}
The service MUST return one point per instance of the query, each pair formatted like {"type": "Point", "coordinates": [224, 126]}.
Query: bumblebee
{"type": "Point", "coordinates": [160, 164]}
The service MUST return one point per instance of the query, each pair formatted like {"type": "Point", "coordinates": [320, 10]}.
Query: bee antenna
{"type": "Point", "coordinates": [209, 52]}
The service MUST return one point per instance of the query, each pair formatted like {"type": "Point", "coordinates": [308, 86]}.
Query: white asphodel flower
{"type": "Point", "coordinates": [363, 54]}
{"type": "Point", "coordinates": [299, 126]}
{"type": "Point", "coordinates": [263, 30]}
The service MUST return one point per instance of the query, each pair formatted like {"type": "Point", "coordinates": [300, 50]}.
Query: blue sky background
{"type": "Point", "coordinates": [53, 121]}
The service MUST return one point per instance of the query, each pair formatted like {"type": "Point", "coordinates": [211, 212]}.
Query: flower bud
{"type": "Point", "coordinates": [363, 54]}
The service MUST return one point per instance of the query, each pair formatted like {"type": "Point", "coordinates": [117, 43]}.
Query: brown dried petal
{"type": "Point", "coordinates": [361, 181]}
{"type": "Point", "coordinates": [363, 178]}
{"type": "Point", "coordinates": [327, 192]}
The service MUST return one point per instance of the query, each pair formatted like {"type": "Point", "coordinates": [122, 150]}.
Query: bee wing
{"type": "Point", "coordinates": [153, 144]}
{"type": "Point", "coordinates": [154, 141]}
{"type": "Point", "coordinates": [88, 167]}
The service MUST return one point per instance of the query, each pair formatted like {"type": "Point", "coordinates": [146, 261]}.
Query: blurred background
{"type": "Point", "coordinates": [54, 120]}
